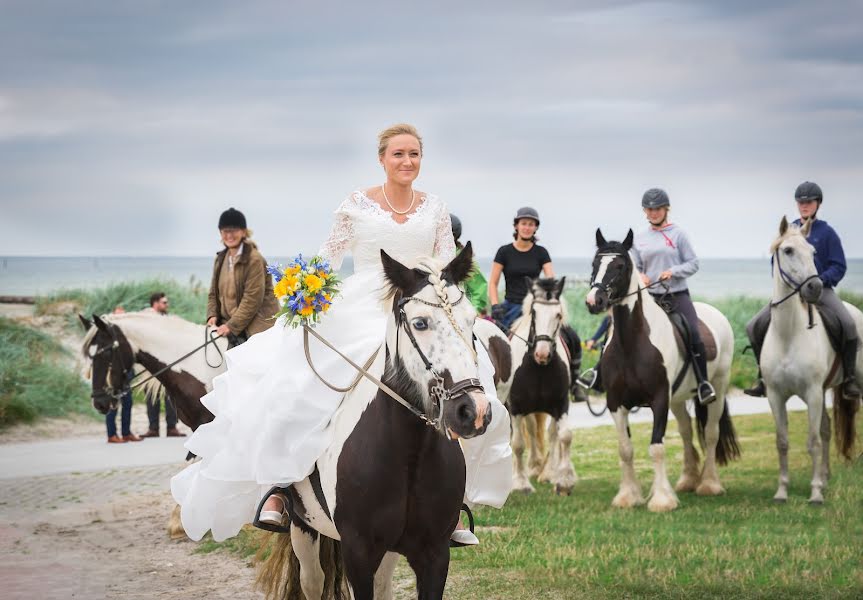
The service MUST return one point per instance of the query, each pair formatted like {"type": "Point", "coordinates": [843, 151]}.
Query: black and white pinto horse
{"type": "Point", "coordinates": [641, 361]}
{"type": "Point", "coordinates": [540, 384]}
{"type": "Point", "coordinates": [798, 359]}
{"type": "Point", "coordinates": [390, 483]}
{"type": "Point", "coordinates": [115, 343]}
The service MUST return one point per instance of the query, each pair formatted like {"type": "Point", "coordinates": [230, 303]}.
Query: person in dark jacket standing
{"type": "Point", "coordinates": [154, 393]}
{"type": "Point", "coordinates": [241, 301]}
{"type": "Point", "coordinates": [831, 266]}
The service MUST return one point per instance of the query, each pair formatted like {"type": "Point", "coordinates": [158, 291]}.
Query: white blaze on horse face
{"type": "Point", "coordinates": [600, 274]}
{"type": "Point", "coordinates": [547, 320]}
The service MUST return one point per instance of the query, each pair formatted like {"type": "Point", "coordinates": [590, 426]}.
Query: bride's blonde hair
{"type": "Point", "coordinates": [387, 134]}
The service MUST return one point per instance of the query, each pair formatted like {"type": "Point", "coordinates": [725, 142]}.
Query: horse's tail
{"type": "Point", "coordinates": [727, 448]}
{"type": "Point", "coordinates": [844, 417]}
{"type": "Point", "coordinates": [279, 569]}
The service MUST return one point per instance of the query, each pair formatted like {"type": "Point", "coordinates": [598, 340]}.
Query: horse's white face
{"type": "Point", "coordinates": [794, 262]}
{"type": "Point", "coordinates": [440, 319]}
{"type": "Point", "coordinates": [544, 306]}
{"type": "Point", "coordinates": [612, 273]}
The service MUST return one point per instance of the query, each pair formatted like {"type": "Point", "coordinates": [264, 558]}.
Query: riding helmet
{"type": "Point", "coordinates": [526, 212]}
{"type": "Point", "coordinates": [456, 226]}
{"type": "Point", "coordinates": [232, 219]}
{"type": "Point", "coordinates": [654, 198]}
{"type": "Point", "coordinates": [807, 191]}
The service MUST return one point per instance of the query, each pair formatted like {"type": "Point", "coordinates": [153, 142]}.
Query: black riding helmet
{"type": "Point", "coordinates": [807, 191]}
{"type": "Point", "coordinates": [232, 218]}
{"type": "Point", "coordinates": [526, 212]}
{"type": "Point", "coordinates": [654, 198]}
{"type": "Point", "coordinates": [456, 226]}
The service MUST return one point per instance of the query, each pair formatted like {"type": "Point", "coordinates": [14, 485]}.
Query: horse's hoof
{"type": "Point", "coordinates": [709, 488]}
{"type": "Point", "coordinates": [627, 500]}
{"type": "Point", "coordinates": [524, 489]}
{"type": "Point", "coordinates": [561, 490]}
{"type": "Point", "coordinates": [816, 502]}
{"type": "Point", "coordinates": [665, 505]}
{"type": "Point", "coordinates": [686, 484]}
{"type": "Point", "coordinates": [780, 500]}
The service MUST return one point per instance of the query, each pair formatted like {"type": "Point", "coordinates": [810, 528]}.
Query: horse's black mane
{"type": "Point", "coordinates": [548, 285]}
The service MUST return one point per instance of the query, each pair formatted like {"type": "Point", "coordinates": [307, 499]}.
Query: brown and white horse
{"type": "Point", "coordinates": [641, 361]}
{"type": "Point", "coordinates": [389, 483]}
{"type": "Point", "coordinates": [115, 343]}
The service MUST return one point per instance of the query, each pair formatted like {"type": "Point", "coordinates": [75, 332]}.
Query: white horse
{"type": "Point", "coordinates": [640, 365]}
{"type": "Point", "coordinates": [797, 359]}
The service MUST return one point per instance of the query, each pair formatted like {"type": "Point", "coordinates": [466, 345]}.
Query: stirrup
{"type": "Point", "coordinates": [702, 398]}
{"type": "Point", "coordinates": [287, 509]}
{"type": "Point", "coordinates": [589, 375]}
{"type": "Point", "coordinates": [470, 526]}
{"type": "Point", "coordinates": [758, 390]}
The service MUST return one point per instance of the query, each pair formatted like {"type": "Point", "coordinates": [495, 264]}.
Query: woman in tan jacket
{"type": "Point", "coordinates": [241, 301]}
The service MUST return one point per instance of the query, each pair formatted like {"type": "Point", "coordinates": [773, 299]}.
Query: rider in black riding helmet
{"type": "Point", "coordinates": [831, 266]}
{"type": "Point", "coordinates": [663, 252]}
{"type": "Point", "coordinates": [518, 261]}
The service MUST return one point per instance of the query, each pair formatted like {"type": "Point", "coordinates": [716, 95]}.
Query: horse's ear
{"type": "Point", "coordinates": [403, 278]}
{"type": "Point", "coordinates": [87, 323]}
{"type": "Point", "coordinates": [560, 286]}
{"type": "Point", "coordinates": [459, 268]}
{"type": "Point", "coordinates": [783, 225]}
{"type": "Point", "coordinates": [627, 241]}
{"type": "Point", "coordinates": [600, 239]}
{"type": "Point", "coordinates": [99, 323]}
{"type": "Point", "coordinates": [807, 227]}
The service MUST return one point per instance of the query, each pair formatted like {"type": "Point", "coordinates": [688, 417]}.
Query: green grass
{"type": "Point", "coordinates": [186, 300]}
{"type": "Point", "coordinates": [33, 380]}
{"type": "Point", "coordinates": [739, 545]}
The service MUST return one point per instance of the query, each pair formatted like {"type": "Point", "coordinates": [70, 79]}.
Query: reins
{"type": "Point", "coordinates": [439, 392]}
{"type": "Point", "coordinates": [209, 338]}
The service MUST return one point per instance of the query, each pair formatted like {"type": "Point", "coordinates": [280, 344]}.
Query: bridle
{"type": "Point", "coordinates": [439, 391]}
{"type": "Point", "coordinates": [532, 337]}
{"type": "Point", "coordinates": [612, 300]}
{"type": "Point", "coordinates": [788, 280]}
{"type": "Point", "coordinates": [210, 337]}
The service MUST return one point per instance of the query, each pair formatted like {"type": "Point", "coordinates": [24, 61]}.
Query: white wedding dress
{"type": "Point", "coordinates": [273, 415]}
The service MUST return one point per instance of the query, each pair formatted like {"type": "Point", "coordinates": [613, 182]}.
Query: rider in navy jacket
{"type": "Point", "coordinates": [831, 266]}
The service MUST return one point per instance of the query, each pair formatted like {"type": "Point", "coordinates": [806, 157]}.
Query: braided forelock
{"type": "Point", "coordinates": [432, 267]}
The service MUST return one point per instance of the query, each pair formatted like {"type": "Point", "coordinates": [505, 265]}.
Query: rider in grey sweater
{"type": "Point", "coordinates": [654, 253]}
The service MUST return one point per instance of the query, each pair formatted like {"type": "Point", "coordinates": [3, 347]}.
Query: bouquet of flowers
{"type": "Point", "coordinates": [305, 289]}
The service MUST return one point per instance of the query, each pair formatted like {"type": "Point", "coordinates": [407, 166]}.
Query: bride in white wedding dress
{"type": "Point", "coordinates": [272, 413]}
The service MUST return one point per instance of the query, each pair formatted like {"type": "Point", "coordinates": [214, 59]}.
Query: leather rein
{"type": "Point", "coordinates": [788, 280]}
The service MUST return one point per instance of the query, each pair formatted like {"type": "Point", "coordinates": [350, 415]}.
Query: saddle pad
{"type": "Point", "coordinates": [706, 337]}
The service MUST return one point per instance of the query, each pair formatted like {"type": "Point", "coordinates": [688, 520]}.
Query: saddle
{"type": "Point", "coordinates": [683, 336]}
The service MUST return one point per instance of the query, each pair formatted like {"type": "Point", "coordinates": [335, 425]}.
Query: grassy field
{"type": "Point", "coordinates": [34, 380]}
{"type": "Point", "coordinates": [739, 545]}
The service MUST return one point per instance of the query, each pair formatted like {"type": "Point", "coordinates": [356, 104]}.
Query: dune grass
{"type": "Point", "coordinates": [34, 380]}
{"type": "Point", "coordinates": [186, 300]}
{"type": "Point", "coordinates": [739, 545]}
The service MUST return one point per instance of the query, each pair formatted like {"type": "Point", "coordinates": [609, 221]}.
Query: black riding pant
{"type": "Point", "coordinates": [681, 302]}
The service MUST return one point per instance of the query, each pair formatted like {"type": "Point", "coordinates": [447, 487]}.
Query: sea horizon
{"type": "Point", "coordinates": [28, 275]}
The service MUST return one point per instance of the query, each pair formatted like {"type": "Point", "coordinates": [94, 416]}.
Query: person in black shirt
{"type": "Point", "coordinates": [519, 262]}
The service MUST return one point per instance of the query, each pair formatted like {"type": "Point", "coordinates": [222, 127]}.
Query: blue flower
{"type": "Point", "coordinates": [300, 262]}
{"type": "Point", "coordinates": [321, 302]}
{"type": "Point", "coordinates": [295, 303]}
{"type": "Point", "coordinates": [276, 272]}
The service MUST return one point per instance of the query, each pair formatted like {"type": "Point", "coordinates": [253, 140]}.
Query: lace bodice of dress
{"type": "Point", "coordinates": [362, 228]}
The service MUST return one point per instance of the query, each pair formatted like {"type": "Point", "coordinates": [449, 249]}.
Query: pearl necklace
{"type": "Point", "coordinates": [387, 200]}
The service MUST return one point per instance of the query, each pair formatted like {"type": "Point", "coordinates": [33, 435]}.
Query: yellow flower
{"type": "Point", "coordinates": [292, 270]}
{"type": "Point", "coordinates": [328, 298]}
{"type": "Point", "coordinates": [313, 283]}
{"type": "Point", "coordinates": [322, 274]}
{"type": "Point", "coordinates": [283, 288]}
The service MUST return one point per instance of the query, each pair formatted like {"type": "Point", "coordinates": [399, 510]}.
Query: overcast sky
{"type": "Point", "coordinates": [126, 127]}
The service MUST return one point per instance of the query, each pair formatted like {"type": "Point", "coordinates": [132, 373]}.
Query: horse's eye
{"type": "Point", "coordinates": [420, 323]}
{"type": "Point", "coordinates": [789, 251]}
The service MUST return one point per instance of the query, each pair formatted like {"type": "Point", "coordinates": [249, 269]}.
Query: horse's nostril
{"type": "Point", "coordinates": [466, 414]}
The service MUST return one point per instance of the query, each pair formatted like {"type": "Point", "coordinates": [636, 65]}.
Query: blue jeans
{"type": "Point", "coordinates": [125, 417]}
{"type": "Point", "coordinates": [511, 312]}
